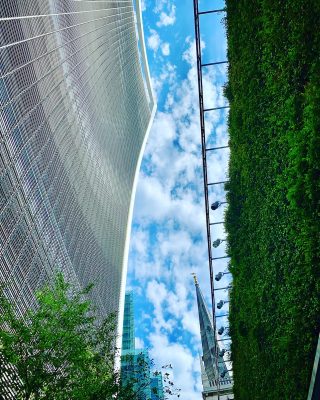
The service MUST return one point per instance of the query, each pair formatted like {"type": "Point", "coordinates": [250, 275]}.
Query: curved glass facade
{"type": "Point", "coordinates": [76, 106]}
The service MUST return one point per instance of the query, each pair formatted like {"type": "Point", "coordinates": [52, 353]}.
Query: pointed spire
{"type": "Point", "coordinates": [195, 278]}
{"type": "Point", "coordinates": [213, 363]}
{"type": "Point", "coordinates": [207, 337]}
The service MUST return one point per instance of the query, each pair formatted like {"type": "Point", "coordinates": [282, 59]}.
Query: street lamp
{"type": "Point", "coordinates": [221, 304]}
{"type": "Point", "coordinates": [215, 205]}
{"type": "Point", "coordinates": [223, 373]}
{"type": "Point", "coordinates": [222, 352]}
{"type": "Point", "coordinates": [217, 242]}
{"type": "Point", "coordinates": [221, 330]}
{"type": "Point", "coordinates": [220, 274]}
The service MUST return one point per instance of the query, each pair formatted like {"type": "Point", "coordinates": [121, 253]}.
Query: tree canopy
{"type": "Point", "coordinates": [60, 349]}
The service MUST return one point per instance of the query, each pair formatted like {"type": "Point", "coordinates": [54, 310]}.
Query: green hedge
{"type": "Point", "coordinates": [274, 194]}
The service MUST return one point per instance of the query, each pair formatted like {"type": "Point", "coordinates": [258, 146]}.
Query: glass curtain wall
{"type": "Point", "coordinates": [74, 113]}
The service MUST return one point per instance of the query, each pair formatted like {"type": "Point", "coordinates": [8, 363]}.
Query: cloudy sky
{"type": "Point", "coordinates": [168, 235]}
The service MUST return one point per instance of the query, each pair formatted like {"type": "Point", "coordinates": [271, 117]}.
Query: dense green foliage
{"type": "Point", "coordinates": [60, 350]}
{"type": "Point", "coordinates": [274, 194]}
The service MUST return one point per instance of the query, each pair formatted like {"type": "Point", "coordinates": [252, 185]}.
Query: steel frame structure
{"type": "Point", "coordinates": [202, 111]}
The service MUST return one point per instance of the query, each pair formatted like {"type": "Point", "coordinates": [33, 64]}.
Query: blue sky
{"type": "Point", "coordinates": [168, 234]}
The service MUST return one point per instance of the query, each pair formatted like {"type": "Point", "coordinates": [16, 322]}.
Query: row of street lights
{"type": "Point", "coordinates": [215, 206]}
{"type": "Point", "coordinates": [219, 275]}
{"type": "Point", "coordinates": [215, 244]}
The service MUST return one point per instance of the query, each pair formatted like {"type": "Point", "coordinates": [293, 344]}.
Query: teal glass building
{"type": "Point", "coordinates": [135, 363]}
{"type": "Point", "coordinates": [128, 324]}
{"type": "Point", "coordinates": [135, 369]}
{"type": "Point", "coordinates": [157, 387]}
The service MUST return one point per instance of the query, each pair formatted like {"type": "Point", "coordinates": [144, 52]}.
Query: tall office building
{"type": "Point", "coordinates": [156, 385]}
{"type": "Point", "coordinates": [76, 108]}
{"type": "Point", "coordinates": [135, 363]}
{"type": "Point", "coordinates": [128, 336]}
{"type": "Point", "coordinates": [135, 371]}
{"type": "Point", "coordinates": [212, 363]}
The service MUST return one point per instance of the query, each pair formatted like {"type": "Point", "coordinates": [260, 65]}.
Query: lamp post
{"type": "Point", "coordinates": [220, 274]}
{"type": "Point", "coordinates": [217, 204]}
{"type": "Point", "coordinates": [217, 242]}
{"type": "Point", "coordinates": [221, 304]}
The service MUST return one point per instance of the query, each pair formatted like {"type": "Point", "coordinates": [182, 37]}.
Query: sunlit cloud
{"type": "Point", "coordinates": [165, 48]}
{"type": "Point", "coordinates": [167, 18]}
{"type": "Point", "coordinates": [154, 40]}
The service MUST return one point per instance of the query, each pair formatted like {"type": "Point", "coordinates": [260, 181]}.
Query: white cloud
{"type": "Point", "coordinates": [167, 76]}
{"type": "Point", "coordinates": [154, 40]}
{"type": "Point", "coordinates": [167, 18]}
{"type": "Point", "coordinates": [159, 5]}
{"type": "Point", "coordinates": [157, 294]}
{"type": "Point", "coordinates": [154, 43]}
{"type": "Point", "coordinates": [165, 48]}
{"type": "Point", "coordinates": [191, 323]}
{"type": "Point", "coordinates": [155, 203]}
{"type": "Point", "coordinates": [185, 373]}
{"type": "Point", "coordinates": [139, 343]}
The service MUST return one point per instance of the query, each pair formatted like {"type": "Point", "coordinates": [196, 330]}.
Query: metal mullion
{"type": "Point", "coordinates": [212, 11]}
{"type": "Point", "coordinates": [29, 141]}
{"type": "Point", "coordinates": [61, 30]}
{"type": "Point", "coordinates": [20, 185]}
{"type": "Point", "coordinates": [68, 13]}
{"type": "Point", "coordinates": [223, 288]}
{"type": "Point", "coordinates": [49, 73]}
{"type": "Point", "coordinates": [216, 108]}
{"type": "Point", "coordinates": [217, 148]}
{"type": "Point", "coordinates": [216, 183]}
{"type": "Point", "coordinates": [22, 214]}
{"type": "Point", "coordinates": [44, 121]}
{"type": "Point", "coordinates": [214, 63]}
{"type": "Point", "coordinates": [26, 213]}
{"type": "Point", "coordinates": [55, 88]}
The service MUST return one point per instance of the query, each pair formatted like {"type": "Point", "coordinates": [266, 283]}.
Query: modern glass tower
{"type": "Point", "coordinates": [128, 324]}
{"type": "Point", "coordinates": [76, 107]}
{"type": "Point", "coordinates": [156, 384]}
{"type": "Point", "coordinates": [135, 363]}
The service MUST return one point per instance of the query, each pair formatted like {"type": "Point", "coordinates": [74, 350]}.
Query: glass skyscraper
{"type": "Point", "coordinates": [157, 387]}
{"type": "Point", "coordinates": [128, 324]}
{"type": "Point", "coordinates": [135, 363]}
{"type": "Point", "coordinates": [135, 370]}
{"type": "Point", "coordinates": [76, 108]}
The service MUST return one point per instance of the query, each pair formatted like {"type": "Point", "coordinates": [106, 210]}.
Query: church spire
{"type": "Point", "coordinates": [212, 363]}
{"type": "Point", "coordinates": [195, 278]}
{"type": "Point", "coordinates": [207, 337]}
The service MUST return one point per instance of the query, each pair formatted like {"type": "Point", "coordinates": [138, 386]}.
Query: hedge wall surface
{"type": "Point", "coordinates": [274, 194]}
